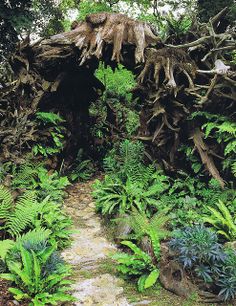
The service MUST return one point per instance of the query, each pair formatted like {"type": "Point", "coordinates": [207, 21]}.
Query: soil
{"type": "Point", "coordinates": [6, 298]}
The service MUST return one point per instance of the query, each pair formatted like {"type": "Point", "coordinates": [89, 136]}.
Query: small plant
{"type": "Point", "coordinates": [34, 176]}
{"type": "Point", "coordinates": [39, 276]}
{"type": "Point", "coordinates": [197, 245]}
{"type": "Point", "coordinates": [227, 278]}
{"type": "Point", "coordinates": [25, 174]}
{"type": "Point", "coordinates": [17, 216]}
{"type": "Point", "coordinates": [153, 228]}
{"type": "Point", "coordinates": [113, 196]}
{"type": "Point", "coordinates": [126, 159]}
{"type": "Point", "coordinates": [51, 185]}
{"type": "Point", "coordinates": [54, 143]}
{"type": "Point", "coordinates": [81, 169]}
{"type": "Point", "coordinates": [139, 264]}
{"type": "Point", "coordinates": [53, 217]}
{"type": "Point", "coordinates": [199, 252]}
{"type": "Point", "coordinates": [222, 220]}
{"type": "Point", "coordinates": [119, 82]}
{"type": "Point", "coordinates": [24, 213]}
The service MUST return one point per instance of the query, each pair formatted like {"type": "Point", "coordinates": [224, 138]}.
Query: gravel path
{"type": "Point", "coordinates": [89, 252]}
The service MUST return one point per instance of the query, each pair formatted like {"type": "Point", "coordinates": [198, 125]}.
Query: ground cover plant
{"type": "Point", "coordinates": [33, 226]}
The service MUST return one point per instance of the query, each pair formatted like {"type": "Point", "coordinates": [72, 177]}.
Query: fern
{"type": "Point", "coordinates": [18, 215]}
{"type": "Point", "coordinates": [81, 169]}
{"type": "Point", "coordinates": [6, 202]}
{"type": "Point", "coordinates": [154, 228]}
{"type": "Point", "coordinates": [222, 220]}
{"type": "Point", "coordinates": [24, 176]}
{"type": "Point", "coordinates": [5, 247]}
{"type": "Point", "coordinates": [24, 214]}
{"type": "Point", "coordinates": [49, 118]}
{"type": "Point", "coordinates": [33, 238]}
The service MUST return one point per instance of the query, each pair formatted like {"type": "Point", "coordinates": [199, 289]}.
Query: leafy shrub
{"type": "Point", "coordinates": [51, 185]}
{"type": "Point", "coordinates": [139, 264]}
{"type": "Point", "coordinates": [89, 7]}
{"type": "Point", "coordinates": [197, 245]}
{"type": "Point", "coordinates": [81, 169]}
{"type": "Point", "coordinates": [222, 220]}
{"type": "Point", "coordinates": [54, 144]}
{"type": "Point", "coordinates": [34, 176]}
{"type": "Point", "coordinates": [52, 217]}
{"type": "Point", "coordinates": [27, 213]}
{"type": "Point", "coordinates": [198, 250]}
{"type": "Point", "coordinates": [177, 26]}
{"type": "Point", "coordinates": [113, 196]}
{"type": "Point", "coordinates": [39, 276]}
{"type": "Point", "coordinates": [187, 199]}
{"type": "Point", "coordinates": [120, 82]}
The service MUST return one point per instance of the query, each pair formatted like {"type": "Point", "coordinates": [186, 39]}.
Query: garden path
{"type": "Point", "coordinates": [90, 252]}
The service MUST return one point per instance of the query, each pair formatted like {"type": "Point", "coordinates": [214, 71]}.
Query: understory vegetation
{"type": "Point", "coordinates": [34, 228]}
{"type": "Point", "coordinates": [164, 146]}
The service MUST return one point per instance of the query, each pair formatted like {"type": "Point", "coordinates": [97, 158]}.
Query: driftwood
{"type": "Point", "coordinates": [173, 81]}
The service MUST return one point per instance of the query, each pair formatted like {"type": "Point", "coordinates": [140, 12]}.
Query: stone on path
{"type": "Point", "coordinates": [89, 248]}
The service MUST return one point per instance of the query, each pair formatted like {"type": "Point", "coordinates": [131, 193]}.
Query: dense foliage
{"type": "Point", "coordinates": [198, 249]}
{"type": "Point", "coordinates": [181, 200]}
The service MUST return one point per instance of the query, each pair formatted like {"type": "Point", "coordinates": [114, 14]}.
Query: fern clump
{"type": "Point", "coordinates": [81, 169]}
{"type": "Point", "coordinates": [155, 228]}
{"type": "Point", "coordinates": [222, 220]}
{"type": "Point", "coordinates": [113, 196]}
{"type": "Point", "coordinates": [27, 213]}
{"type": "Point", "coordinates": [20, 215]}
{"type": "Point", "coordinates": [39, 275]}
{"type": "Point", "coordinates": [50, 145]}
{"type": "Point", "coordinates": [128, 183]}
{"type": "Point", "coordinates": [137, 265]}
{"type": "Point", "coordinates": [187, 199]}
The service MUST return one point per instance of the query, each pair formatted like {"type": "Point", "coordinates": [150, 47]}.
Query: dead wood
{"type": "Point", "coordinates": [204, 153]}
{"type": "Point", "coordinates": [58, 74]}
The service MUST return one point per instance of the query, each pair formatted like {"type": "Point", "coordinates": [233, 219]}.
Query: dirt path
{"type": "Point", "coordinates": [89, 253]}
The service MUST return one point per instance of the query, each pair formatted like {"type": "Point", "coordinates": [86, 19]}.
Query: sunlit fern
{"type": "Point", "coordinates": [17, 215]}
{"type": "Point", "coordinates": [154, 228]}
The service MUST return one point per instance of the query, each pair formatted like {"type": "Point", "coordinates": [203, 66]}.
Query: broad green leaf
{"type": "Point", "coordinates": [141, 283]}
{"type": "Point", "coordinates": [151, 279]}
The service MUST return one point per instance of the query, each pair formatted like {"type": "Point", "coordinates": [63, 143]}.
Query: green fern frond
{"type": "Point", "coordinates": [6, 202]}
{"type": "Point", "coordinates": [49, 118]}
{"type": "Point", "coordinates": [154, 228]}
{"type": "Point", "coordinates": [24, 214]}
{"type": "Point", "coordinates": [5, 246]}
{"type": "Point", "coordinates": [222, 220]}
{"type": "Point", "coordinates": [33, 237]}
{"type": "Point", "coordinates": [25, 174]}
